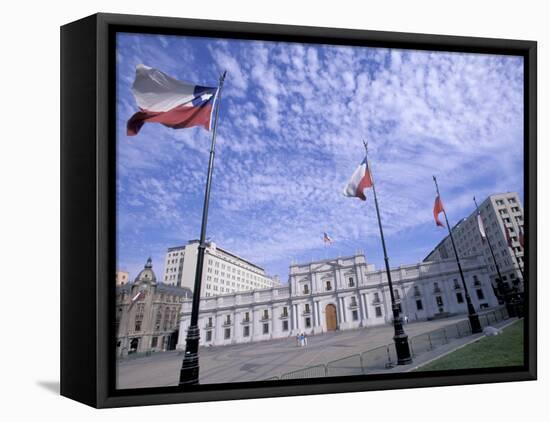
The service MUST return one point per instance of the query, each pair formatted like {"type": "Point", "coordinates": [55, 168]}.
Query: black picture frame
{"type": "Point", "coordinates": [88, 208]}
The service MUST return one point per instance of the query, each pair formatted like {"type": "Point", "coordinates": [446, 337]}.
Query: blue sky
{"type": "Point", "coordinates": [290, 135]}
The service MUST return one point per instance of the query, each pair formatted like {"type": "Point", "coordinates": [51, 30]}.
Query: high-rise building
{"type": "Point", "coordinates": [498, 211]}
{"type": "Point", "coordinates": [223, 272]}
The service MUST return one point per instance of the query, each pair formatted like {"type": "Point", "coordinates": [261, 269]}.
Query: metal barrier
{"type": "Point", "coordinates": [310, 372]}
{"type": "Point", "coordinates": [350, 365]}
{"type": "Point", "coordinates": [384, 357]}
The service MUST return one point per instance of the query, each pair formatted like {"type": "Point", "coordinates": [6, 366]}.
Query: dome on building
{"type": "Point", "coordinates": [147, 274]}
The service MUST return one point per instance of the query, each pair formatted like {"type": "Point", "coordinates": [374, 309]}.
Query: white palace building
{"type": "Point", "coordinates": [339, 294]}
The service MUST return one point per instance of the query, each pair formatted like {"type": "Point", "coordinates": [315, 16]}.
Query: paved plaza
{"type": "Point", "coordinates": [263, 360]}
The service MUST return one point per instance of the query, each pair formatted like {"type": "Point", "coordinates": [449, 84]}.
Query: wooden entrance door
{"type": "Point", "coordinates": [332, 322]}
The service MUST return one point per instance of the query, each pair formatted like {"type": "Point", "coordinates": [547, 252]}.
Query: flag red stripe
{"type": "Point", "coordinates": [177, 118]}
{"type": "Point", "coordinates": [366, 182]}
{"type": "Point", "coordinates": [438, 208]}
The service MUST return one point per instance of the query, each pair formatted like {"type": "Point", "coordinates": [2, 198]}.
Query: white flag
{"type": "Point", "coordinates": [481, 227]}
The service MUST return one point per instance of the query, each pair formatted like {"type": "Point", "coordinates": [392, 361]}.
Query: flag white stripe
{"type": "Point", "coordinates": [157, 92]}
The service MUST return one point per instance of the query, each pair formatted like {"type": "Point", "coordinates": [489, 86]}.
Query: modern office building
{"type": "Point", "coordinates": [339, 294]}
{"type": "Point", "coordinates": [223, 272]}
{"type": "Point", "coordinates": [498, 212]}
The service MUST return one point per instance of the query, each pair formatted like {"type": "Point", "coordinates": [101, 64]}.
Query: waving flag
{"type": "Point", "coordinates": [360, 180]}
{"type": "Point", "coordinates": [139, 295]}
{"type": "Point", "coordinates": [327, 239]}
{"type": "Point", "coordinates": [481, 227]}
{"type": "Point", "coordinates": [163, 99]}
{"type": "Point", "coordinates": [438, 209]}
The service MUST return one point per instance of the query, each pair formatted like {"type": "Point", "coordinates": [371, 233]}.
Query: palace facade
{"type": "Point", "coordinates": [339, 294]}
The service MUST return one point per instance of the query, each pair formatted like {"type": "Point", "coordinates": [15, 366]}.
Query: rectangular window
{"type": "Point", "coordinates": [351, 282]}
{"type": "Point", "coordinates": [419, 305]}
{"type": "Point", "coordinates": [285, 325]}
{"type": "Point", "coordinates": [459, 298]}
{"type": "Point", "coordinates": [265, 328]}
{"type": "Point", "coordinates": [154, 341]}
{"type": "Point", "coordinates": [209, 335]}
{"type": "Point", "coordinates": [378, 311]}
{"type": "Point", "coordinates": [354, 315]}
{"type": "Point", "coordinates": [480, 294]}
{"type": "Point", "coordinates": [376, 298]}
{"type": "Point", "coordinates": [308, 322]}
{"type": "Point", "coordinates": [329, 285]}
{"type": "Point", "coordinates": [246, 331]}
{"type": "Point", "coordinates": [246, 317]}
{"type": "Point", "coordinates": [285, 312]}
{"type": "Point", "coordinates": [227, 333]}
{"type": "Point", "coordinates": [439, 300]}
{"type": "Point", "coordinates": [307, 308]}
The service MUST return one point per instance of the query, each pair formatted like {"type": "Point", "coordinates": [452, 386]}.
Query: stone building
{"type": "Point", "coordinates": [122, 277]}
{"type": "Point", "coordinates": [339, 294]}
{"type": "Point", "coordinates": [147, 314]}
{"type": "Point", "coordinates": [224, 272]}
{"type": "Point", "coordinates": [498, 212]}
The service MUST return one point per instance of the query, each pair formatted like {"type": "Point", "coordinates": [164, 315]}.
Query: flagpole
{"type": "Point", "coordinates": [400, 339]}
{"type": "Point", "coordinates": [189, 373]}
{"type": "Point", "coordinates": [472, 315]}
{"type": "Point", "coordinates": [503, 291]}
{"type": "Point", "coordinates": [514, 251]}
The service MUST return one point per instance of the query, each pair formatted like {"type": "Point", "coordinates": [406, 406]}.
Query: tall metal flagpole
{"type": "Point", "coordinates": [472, 315]}
{"type": "Point", "coordinates": [189, 373]}
{"type": "Point", "coordinates": [514, 251]}
{"type": "Point", "coordinates": [503, 293]}
{"type": "Point", "coordinates": [400, 339]}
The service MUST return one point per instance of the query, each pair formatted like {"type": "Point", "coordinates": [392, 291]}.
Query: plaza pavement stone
{"type": "Point", "coordinates": [266, 359]}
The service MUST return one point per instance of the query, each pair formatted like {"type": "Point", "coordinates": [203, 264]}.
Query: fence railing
{"type": "Point", "coordinates": [384, 357]}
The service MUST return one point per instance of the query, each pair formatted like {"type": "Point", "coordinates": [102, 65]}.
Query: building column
{"type": "Point", "coordinates": [344, 309]}
{"type": "Point", "coordinates": [314, 314]}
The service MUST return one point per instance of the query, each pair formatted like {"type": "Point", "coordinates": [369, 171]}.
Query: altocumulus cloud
{"type": "Point", "coordinates": [291, 126]}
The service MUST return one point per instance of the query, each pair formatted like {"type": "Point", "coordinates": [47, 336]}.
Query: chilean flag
{"type": "Point", "coordinates": [360, 180]}
{"type": "Point", "coordinates": [163, 99]}
{"type": "Point", "coordinates": [438, 209]}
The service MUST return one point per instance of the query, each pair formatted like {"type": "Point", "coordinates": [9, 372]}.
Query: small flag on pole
{"type": "Point", "coordinates": [481, 228]}
{"type": "Point", "coordinates": [438, 209]}
{"type": "Point", "coordinates": [175, 104]}
{"type": "Point", "coordinates": [139, 295]}
{"type": "Point", "coordinates": [327, 239]}
{"type": "Point", "coordinates": [359, 181]}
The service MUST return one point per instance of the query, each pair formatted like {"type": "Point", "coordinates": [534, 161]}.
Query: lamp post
{"type": "Point", "coordinates": [472, 315]}
{"type": "Point", "coordinates": [189, 373]}
{"type": "Point", "coordinates": [502, 290]}
{"type": "Point", "coordinates": [400, 338]}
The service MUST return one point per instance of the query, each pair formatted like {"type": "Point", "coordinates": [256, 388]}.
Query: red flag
{"type": "Point", "coordinates": [508, 237]}
{"type": "Point", "coordinates": [521, 237]}
{"type": "Point", "coordinates": [438, 208]}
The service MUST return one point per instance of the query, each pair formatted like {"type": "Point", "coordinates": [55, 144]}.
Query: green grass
{"type": "Point", "coordinates": [505, 349]}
